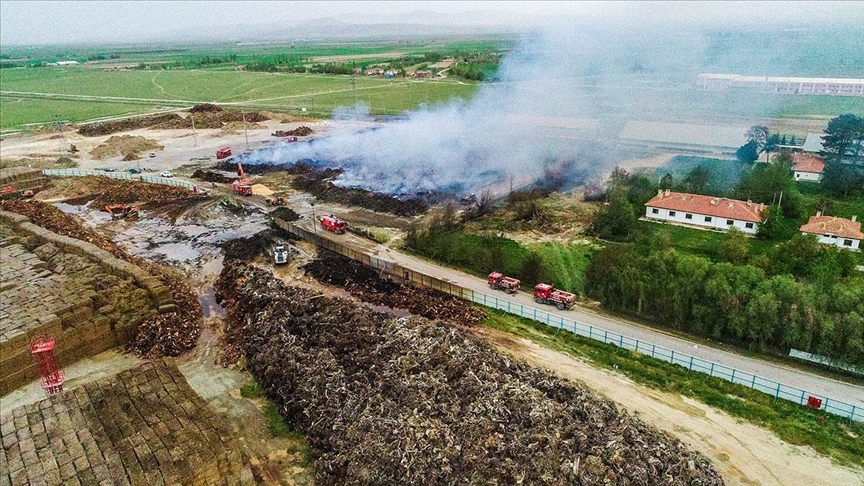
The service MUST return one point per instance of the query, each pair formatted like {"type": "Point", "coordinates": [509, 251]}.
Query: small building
{"type": "Point", "coordinates": [240, 68]}
{"type": "Point", "coordinates": [421, 74]}
{"type": "Point", "coordinates": [67, 63]}
{"type": "Point", "coordinates": [374, 72]}
{"type": "Point", "coordinates": [807, 167]}
{"type": "Point", "coordinates": [813, 143]}
{"type": "Point", "coordinates": [784, 85]}
{"type": "Point", "coordinates": [706, 212]}
{"type": "Point", "coordinates": [831, 230]}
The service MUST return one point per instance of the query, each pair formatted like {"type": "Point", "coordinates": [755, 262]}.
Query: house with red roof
{"type": "Point", "coordinates": [717, 213]}
{"type": "Point", "coordinates": [807, 167]}
{"type": "Point", "coordinates": [831, 230]}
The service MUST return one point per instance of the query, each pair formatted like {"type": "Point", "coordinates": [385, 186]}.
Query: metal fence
{"type": "Point", "coordinates": [117, 175]}
{"type": "Point", "coordinates": [692, 363]}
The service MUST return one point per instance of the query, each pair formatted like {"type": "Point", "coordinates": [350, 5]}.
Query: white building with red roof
{"type": "Point", "coordinates": [707, 212]}
{"type": "Point", "coordinates": [807, 167]}
{"type": "Point", "coordinates": [831, 230]}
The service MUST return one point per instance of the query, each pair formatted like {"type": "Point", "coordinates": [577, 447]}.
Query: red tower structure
{"type": "Point", "coordinates": [52, 378]}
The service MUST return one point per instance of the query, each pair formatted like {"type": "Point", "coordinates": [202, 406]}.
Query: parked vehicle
{"type": "Point", "coordinates": [15, 193]}
{"type": "Point", "coordinates": [134, 171]}
{"type": "Point", "coordinates": [280, 255]}
{"type": "Point", "coordinates": [331, 223]}
{"type": "Point", "coordinates": [165, 173]}
{"type": "Point", "coordinates": [223, 153]}
{"type": "Point", "coordinates": [152, 155]}
{"type": "Point", "coordinates": [498, 281]}
{"type": "Point", "coordinates": [119, 211]}
{"type": "Point", "coordinates": [546, 294]}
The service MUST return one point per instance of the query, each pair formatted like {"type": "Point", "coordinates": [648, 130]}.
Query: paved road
{"type": "Point", "coordinates": [835, 390]}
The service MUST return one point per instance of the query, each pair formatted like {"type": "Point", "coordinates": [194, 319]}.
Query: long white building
{"type": "Point", "coordinates": [803, 86]}
{"type": "Point", "coordinates": [708, 212]}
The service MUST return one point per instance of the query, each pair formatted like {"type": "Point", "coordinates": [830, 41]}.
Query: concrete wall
{"type": "Point", "coordinates": [699, 220]}
{"type": "Point", "coordinates": [840, 242]}
{"type": "Point", "coordinates": [807, 176]}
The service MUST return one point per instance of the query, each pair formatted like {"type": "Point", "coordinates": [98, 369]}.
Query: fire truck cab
{"type": "Point", "coordinates": [546, 294]}
{"type": "Point", "coordinates": [223, 152]}
{"type": "Point", "coordinates": [331, 223]}
{"type": "Point", "coordinates": [497, 281]}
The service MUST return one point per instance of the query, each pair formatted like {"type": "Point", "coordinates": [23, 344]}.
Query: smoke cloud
{"type": "Point", "coordinates": [556, 104]}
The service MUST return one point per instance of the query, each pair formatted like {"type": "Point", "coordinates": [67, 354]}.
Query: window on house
{"type": "Point", "coordinates": [688, 216]}
{"type": "Point", "coordinates": [671, 213]}
{"type": "Point", "coordinates": [708, 219]}
{"type": "Point", "coordinates": [847, 242]}
{"type": "Point", "coordinates": [749, 225]}
{"type": "Point", "coordinates": [655, 211]}
{"type": "Point", "coordinates": [729, 222]}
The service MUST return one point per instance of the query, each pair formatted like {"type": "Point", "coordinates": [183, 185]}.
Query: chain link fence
{"type": "Point", "coordinates": [692, 363]}
{"type": "Point", "coordinates": [117, 175]}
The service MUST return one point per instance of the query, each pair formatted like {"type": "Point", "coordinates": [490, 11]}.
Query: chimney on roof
{"type": "Point", "coordinates": [818, 214]}
{"type": "Point", "coordinates": [731, 204]}
{"type": "Point", "coordinates": [749, 203]}
{"type": "Point", "coordinates": [714, 201]}
{"type": "Point", "coordinates": [854, 218]}
{"type": "Point", "coordinates": [666, 193]}
{"type": "Point", "coordinates": [660, 193]}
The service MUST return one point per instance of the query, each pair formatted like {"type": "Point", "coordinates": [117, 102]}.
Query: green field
{"type": "Point", "coordinates": [141, 90]}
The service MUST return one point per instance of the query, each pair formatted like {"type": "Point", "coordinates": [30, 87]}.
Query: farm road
{"type": "Point", "coordinates": [834, 389]}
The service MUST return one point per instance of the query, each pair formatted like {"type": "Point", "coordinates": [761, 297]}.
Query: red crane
{"type": "Point", "coordinates": [52, 378]}
{"type": "Point", "coordinates": [242, 186]}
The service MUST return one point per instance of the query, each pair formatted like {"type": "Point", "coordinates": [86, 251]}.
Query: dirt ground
{"type": "Point", "coordinates": [744, 454]}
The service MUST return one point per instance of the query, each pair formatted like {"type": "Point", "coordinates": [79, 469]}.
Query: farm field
{"type": "Point", "coordinates": [283, 92]}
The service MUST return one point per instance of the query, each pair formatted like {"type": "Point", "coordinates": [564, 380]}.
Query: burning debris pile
{"type": "Point", "coordinates": [409, 401]}
{"type": "Point", "coordinates": [114, 126]}
{"type": "Point", "coordinates": [166, 334]}
{"type": "Point", "coordinates": [210, 176]}
{"type": "Point", "coordinates": [318, 183]}
{"type": "Point", "coordinates": [301, 131]}
{"type": "Point", "coordinates": [365, 284]}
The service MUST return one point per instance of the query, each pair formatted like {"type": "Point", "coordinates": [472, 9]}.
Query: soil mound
{"type": "Point", "coordinates": [209, 176]}
{"type": "Point", "coordinates": [205, 108]}
{"type": "Point", "coordinates": [126, 145]}
{"type": "Point", "coordinates": [214, 119]}
{"type": "Point", "coordinates": [114, 126]}
{"type": "Point", "coordinates": [409, 401]}
{"type": "Point", "coordinates": [285, 214]}
{"type": "Point", "coordinates": [300, 131]}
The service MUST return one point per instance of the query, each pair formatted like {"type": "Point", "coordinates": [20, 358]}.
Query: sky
{"type": "Point", "coordinates": [46, 22]}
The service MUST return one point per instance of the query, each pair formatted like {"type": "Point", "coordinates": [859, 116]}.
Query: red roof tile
{"type": "Point", "coordinates": [842, 227]}
{"type": "Point", "coordinates": [807, 163]}
{"type": "Point", "coordinates": [719, 207]}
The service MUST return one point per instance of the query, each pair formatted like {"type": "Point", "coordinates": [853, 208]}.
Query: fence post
{"type": "Point", "coordinates": [777, 393]}
{"type": "Point", "coordinates": [654, 348]}
{"type": "Point", "coordinates": [733, 375]}
{"type": "Point", "coordinates": [711, 373]}
{"type": "Point", "coordinates": [852, 415]}
{"type": "Point", "coordinates": [672, 359]}
{"type": "Point", "coordinates": [620, 340]}
{"type": "Point", "coordinates": [691, 364]}
{"type": "Point", "coordinates": [753, 383]}
{"type": "Point", "coordinates": [802, 397]}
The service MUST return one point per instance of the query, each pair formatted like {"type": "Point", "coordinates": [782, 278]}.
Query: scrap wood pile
{"type": "Point", "coordinates": [213, 119]}
{"type": "Point", "coordinates": [249, 248]}
{"type": "Point", "coordinates": [210, 176]}
{"type": "Point", "coordinates": [253, 169]}
{"type": "Point", "coordinates": [205, 108]}
{"type": "Point", "coordinates": [285, 214]}
{"type": "Point", "coordinates": [104, 190]}
{"type": "Point", "coordinates": [166, 334]}
{"type": "Point", "coordinates": [318, 183]}
{"type": "Point", "coordinates": [409, 401]}
{"type": "Point", "coordinates": [113, 126]}
{"type": "Point", "coordinates": [364, 283]}
{"type": "Point", "coordinates": [300, 131]}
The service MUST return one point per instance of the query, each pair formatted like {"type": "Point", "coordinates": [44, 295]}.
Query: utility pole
{"type": "Point", "coordinates": [194, 134]}
{"type": "Point", "coordinates": [245, 132]}
{"type": "Point", "coordinates": [781, 199]}
{"type": "Point", "coordinates": [58, 124]}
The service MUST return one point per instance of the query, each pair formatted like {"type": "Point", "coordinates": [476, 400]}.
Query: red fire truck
{"type": "Point", "coordinates": [497, 281]}
{"type": "Point", "coordinates": [331, 223]}
{"type": "Point", "coordinates": [545, 294]}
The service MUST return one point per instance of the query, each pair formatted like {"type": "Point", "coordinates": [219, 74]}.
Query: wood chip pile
{"type": "Point", "coordinates": [126, 124]}
{"type": "Point", "coordinates": [409, 401]}
{"type": "Point", "coordinates": [300, 131]}
{"type": "Point", "coordinates": [364, 283]}
{"type": "Point", "coordinates": [167, 334]}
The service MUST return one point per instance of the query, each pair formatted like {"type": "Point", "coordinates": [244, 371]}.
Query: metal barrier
{"type": "Point", "coordinates": [692, 363]}
{"type": "Point", "coordinates": [117, 175]}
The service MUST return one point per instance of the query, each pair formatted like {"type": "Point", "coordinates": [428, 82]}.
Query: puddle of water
{"type": "Point", "coordinates": [180, 252]}
{"type": "Point", "coordinates": [213, 267]}
{"type": "Point", "coordinates": [209, 307]}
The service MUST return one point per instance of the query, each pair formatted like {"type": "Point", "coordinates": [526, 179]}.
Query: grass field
{"type": "Point", "coordinates": [282, 92]}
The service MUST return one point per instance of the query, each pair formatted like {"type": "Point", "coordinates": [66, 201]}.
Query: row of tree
{"type": "Point", "coordinates": [804, 296]}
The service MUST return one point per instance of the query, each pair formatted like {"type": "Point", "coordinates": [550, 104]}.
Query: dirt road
{"type": "Point", "coordinates": [835, 390]}
{"type": "Point", "coordinates": [744, 454]}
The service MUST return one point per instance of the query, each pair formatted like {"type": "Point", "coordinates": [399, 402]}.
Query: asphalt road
{"type": "Point", "coordinates": [818, 385]}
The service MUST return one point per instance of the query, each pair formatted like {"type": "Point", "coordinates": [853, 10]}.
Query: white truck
{"type": "Point", "coordinates": [280, 255]}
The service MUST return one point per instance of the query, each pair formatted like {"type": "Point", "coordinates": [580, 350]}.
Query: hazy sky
{"type": "Point", "coordinates": [45, 22]}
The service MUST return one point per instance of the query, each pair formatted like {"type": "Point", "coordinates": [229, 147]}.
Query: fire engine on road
{"type": "Point", "coordinates": [331, 223]}
{"type": "Point", "coordinates": [498, 281]}
{"type": "Point", "coordinates": [546, 294]}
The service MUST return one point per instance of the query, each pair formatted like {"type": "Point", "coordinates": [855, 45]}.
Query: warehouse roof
{"type": "Point", "coordinates": [813, 143]}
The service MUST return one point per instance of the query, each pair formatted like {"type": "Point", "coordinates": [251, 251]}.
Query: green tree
{"type": "Point", "coordinates": [616, 220]}
{"type": "Point", "coordinates": [666, 181]}
{"type": "Point", "coordinates": [697, 180]}
{"type": "Point", "coordinates": [774, 226]}
{"type": "Point", "coordinates": [843, 136]}
{"type": "Point", "coordinates": [735, 247]}
{"type": "Point", "coordinates": [748, 153]}
{"type": "Point", "coordinates": [842, 179]}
